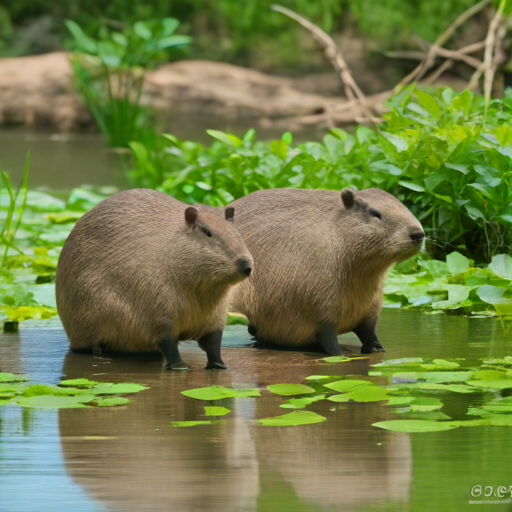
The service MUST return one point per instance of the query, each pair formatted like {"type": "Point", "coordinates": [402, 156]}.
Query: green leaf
{"type": "Point", "coordinates": [493, 294]}
{"type": "Point", "coordinates": [412, 426]}
{"type": "Point", "coordinates": [81, 383]}
{"type": "Point", "coordinates": [83, 42]}
{"type": "Point", "coordinates": [227, 138]}
{"type": "Point", "coordinates": [412, 186]}
{"type": "Point", "coordinates": [54, 402]}
{"type": "Point", "coordinates": [290, 389]}
{"type": "Point", "coordinates": [347, 385]}
{"type": "Point", "coordinates": [429, 103]}
{"type": "Point", "coordinates": [452, 388]}
{"type": "Point", "coordinates": [11, 377]}
{"type": "Point", "coordinates": [210, 393]}
{"type": "Point", "coordinates": [491, 384]}
{"type": "Point", "coordinates": [474, 213]}
{"type": "Point", "coordinates": [443, 377]}
{"type": "Point", "coordinates": [216, 411]}
{"type": "Point", "coordinates": [279, 148]}
{"type": "Point", "coordinates": [108, 388]}
{"type": "Point", "coordinates": [306, 400]}
{"type": "Point", "coordinates": [368, 394]}
{"type": "Point", "coordinates": [399, 142]}
{"type": "Point", "coordinates": [191, 423]}
{"type": "Point", "coordinates": [171, 41]}
{"type": "Point", "coordinates": [501, 265]}
{"type": "Point", "coordinates": [142, 30]}
{"type": "Point", "coordinates": [109, 402]}
{"type": "Point", "coordinates": [292, 419]}
{"type": "Point", "coordinates": [406, 361]}
{"type": "Point", "coordinates": [457, 263]}
{"type": "Point", "coordinates": [343, 397]}
{"type": "Point", "coordinates": [400, 400]}
{"type": "Point", "coordinates": [246, 393]}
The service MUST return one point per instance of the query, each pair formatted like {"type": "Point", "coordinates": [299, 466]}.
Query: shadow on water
{"type": "Point", "coordinates": [132, 458]}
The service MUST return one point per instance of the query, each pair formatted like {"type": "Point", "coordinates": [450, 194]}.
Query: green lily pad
{"type": "Point", "coordinates": [54, 402]}
{"type": "Point", "coordinates": [245, 393]}
{"type": "Point", "coordinates": [443, 377]}
{"type": "Point", "coordinates": [406, 361]}
{"type": "Point", "coordinates": [347, 385]}
{"type": "Point", "coordinates": [210, 393]}
{"type": "Point", "coordinates": [191, 423]}
{"type": "Point", "coordinates": [108, 402]}
{"type": "Point", "coordinates": [491, 384]}
{"type": "Point", "coordinates": [306, 400]}
{"type": "Point", "coordinates": [322, 377]}
{"type": "Point", "coordinates": [81, 383]}
{"type": "Point", "coordinates": [10, 377]}
{"type": "Point", "coordinates": [108, 388]}
{"type": "Point", "coordinates": [455, 388]}
{"type": "Point", "coordinates": [43, 389]}
{"type": "Point", "coordinates": [368, 394]}
{"type": "Point", "coordinates": [497, 407]}
{"type": "Point", "coordinates": [491, 375]}
{"type": "Point", "coordinates": [415, 425]}
{"type": "Point", "coordinates": [343, 397]}
{"type": "Point", "coordinates": [400, 400]}
{"type": "Point", "coordinates": [292, 406]}
{"type": "Point", "coordinates": [290, 389]}
{"type": "Point", "coordinates": [292, 419]}
{"type": "Point", "coordinates": [440, 364]}
{"type": "Point", "coordinates": [216, 411]}
{"type": "Point", "coordinates": [407, 376]}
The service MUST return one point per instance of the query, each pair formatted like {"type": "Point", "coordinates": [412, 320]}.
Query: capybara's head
{"type": "Point", "coordinates": [216, 248]}
{"type": "Point", "coordinates": [382, 226]}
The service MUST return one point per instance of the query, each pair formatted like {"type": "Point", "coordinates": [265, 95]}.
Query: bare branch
{"type": "Point", "coordinates": [447, 64]}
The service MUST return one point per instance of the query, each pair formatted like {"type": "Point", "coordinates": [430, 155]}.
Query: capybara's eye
{"type": "Point", "coordinates": [374, 213]}
{"type": "Point", "coordinates": [206, 231]}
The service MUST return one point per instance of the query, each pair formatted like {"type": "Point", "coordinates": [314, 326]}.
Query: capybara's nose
{"type": "Point", "coordinates": [417, 236]}
{"type": "Point", "coordinates": [244, 266]}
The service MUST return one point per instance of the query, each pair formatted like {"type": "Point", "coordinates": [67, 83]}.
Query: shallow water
{"type": "Point", "coordinates": [131, 458]}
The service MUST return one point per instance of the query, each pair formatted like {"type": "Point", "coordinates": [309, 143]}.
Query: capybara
{"type": "Point", "coordinates": [320, 263]}
{"type": "Point", "coordinates": [142, 271]}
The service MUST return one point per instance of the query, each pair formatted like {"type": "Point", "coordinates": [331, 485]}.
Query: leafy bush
{"type": "Point", "coordinates": [434, 152]}
{"type": "Point", "coordinates": [110, 72]}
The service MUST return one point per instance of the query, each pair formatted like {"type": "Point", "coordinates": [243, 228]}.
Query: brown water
{"type": "Point", "coordinates": [131, 458]}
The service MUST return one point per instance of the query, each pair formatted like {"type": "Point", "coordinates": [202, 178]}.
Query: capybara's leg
{"type": "Point", "coordinates": [366, 332]}
{"type": "Point", "coordinates": [169, 346]}
{"type": "Point", "coordinates": [211, 343]}
{"type": "Point", "coordinates": [327, 338]}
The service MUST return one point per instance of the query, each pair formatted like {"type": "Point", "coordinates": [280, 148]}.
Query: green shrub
{"type": "Point", "coordinates": [433, 152]}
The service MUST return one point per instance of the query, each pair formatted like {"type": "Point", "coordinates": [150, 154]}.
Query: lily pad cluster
{"type": "Point", "coordinates": [430, 394]}
{"type": "Point", "coordinates": [69, 394]}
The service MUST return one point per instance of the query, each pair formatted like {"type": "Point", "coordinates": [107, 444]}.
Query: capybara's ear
{"type": "Point", "coordinates": [347, 197]}
{"type": "Point", "coordinates": [191, 214]}
{"type": "Point", "coordinates": [230, 213]}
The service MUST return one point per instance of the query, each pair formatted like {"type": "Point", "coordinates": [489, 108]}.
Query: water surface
{"type": "Point", "coordinates": [132, 459]}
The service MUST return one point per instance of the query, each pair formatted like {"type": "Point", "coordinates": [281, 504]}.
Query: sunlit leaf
{"type": "Point", "coordinates": [108, 402]}
{"type": "Point", "coordinates": [216, 411]}
{"type": "Point", "coordinates": [412, 426]}
{"type": "Point", "coordinates": [85, 383]}
{"type": "Point", "coordinates": [54, 401]}
{"type": "Point", "coordinates": [122, 388]}
{"type": "Point", "coordinates": [347, 385]}
{"type": "Point", "coordinates": [290, 389]}
{"type": "Point", "coordinates": [210, 393]}
{"type": "Point", "coordinates": [191, 423]}
{"type": "Point", "coordinates": [11, 377]}
{"type": "Point", "coordinates": [292, 419]}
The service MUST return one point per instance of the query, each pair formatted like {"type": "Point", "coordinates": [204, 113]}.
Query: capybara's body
{"type": "Point", "coordinates": [320, 263]}
{"type": "Point", "coordinates": [142, 270]}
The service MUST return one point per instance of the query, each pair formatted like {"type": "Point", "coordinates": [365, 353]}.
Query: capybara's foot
{"type": "Point", "coordinates": [178, 366]}
{"type": "Point", "coordinates": [379, 347]}
{"type": "Point", "coordinates": [217, 365]}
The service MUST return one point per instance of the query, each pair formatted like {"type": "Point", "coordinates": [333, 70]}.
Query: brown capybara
{"type": "Point", "coordinates": [320, 263]}
{"type": "Point", "coordinates": [142, 271]}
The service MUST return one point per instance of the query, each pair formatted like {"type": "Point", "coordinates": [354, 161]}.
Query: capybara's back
{"type": "Point", "coordinates": [141, 266]}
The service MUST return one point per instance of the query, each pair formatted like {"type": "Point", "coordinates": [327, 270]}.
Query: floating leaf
{"type": "Point", "coordinates": [85, 383]}
{"type": "Point", "coordinates": [400, 400]}
{"type": "Point", "coordinates": [454, 388]}
{"type": "Point", "coordinates": [501, 265]}
{"type": "Point", "coordinates": [191, 423]}
{"type": "Point", "coordinates": [108, 402]}
{"type": "Point", "coordinates": [210, 393]}
{"type": "Point", "coordinates": [245, 393]}
{"type": "Point", "coordinates": [54, 402]}
{"type": "Point", "coordinates": [457, 263]}
{"type": "Point", "coordinates": [292, 419]}
{"type": "Point", "coordinates": [114, 389]}
{"type": "Point", "coordinates": [406, 361]}
{"type": "Point", "coordinates": [368, 394]}
{"type": "Point", "coordinates": [10, 377]}
{"type": "Point", "coordinates": [216, 411]}
{"type": "Point", "coordinates": [415, 425]}
{"type": "Point", "coordinates": [341, 359]}
{"type": "Point", "coordinates": [490, 375]}
{"type": "Point", "coordinates": [347, 385]}
{"type": "Point", "coordinates": [302, 402]}
{"type": "Point", "coordinates": [442, 377]}
{"type": "Point", "coordinates": [343, 397]}
{"type": "Point", "coordinates": [492, 384]}
{"type": "Point", "coordinates": [290, 389]}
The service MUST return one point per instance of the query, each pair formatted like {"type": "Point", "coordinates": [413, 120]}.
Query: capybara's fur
{"type": "Point", "coordinates": [142, 271]}
{"type": "Point", "coordinates": [320, 263]}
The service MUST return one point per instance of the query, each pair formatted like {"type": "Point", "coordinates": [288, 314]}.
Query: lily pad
{"type": "Point", "coordinates": [191, 423]}
{"type": "Point", "coordinates": [406, 361]}
{"type": "Point", "coordinates": [343, 397]}
{"type": "Point", "coordinates": [302, 402]}
{"type": "Point", "coordinates": [10, 377]}
{"type": "Point", "coordinates": [347, 385]}
{"type": "Point", "coordinates": [443, 377]}
{"type": "Point", "coordinates": [210, 393]}
{"type": "Point", "coordinates": [492, 384]}
{"type": "Point", "coordinates": [108, 402]}
{"type": "Point", "coordinates": [113, 389]}
{"type": "Point", "coordinates": [54, 402]}
{"type": "Point", "coordinates": [368, 394]}
{"type": "Point", "coordinates": [455, 388]}
{"type": "Point", "coordinates": [491, 375]}
{"type": "Point", "coordinates": [292, 419]}
{"type": "Point", "coordinates": [245, 393]}
{"type": "Point", "coordinates": [415, 425]}
{"type": "Point", "coordinates": [323, 377]}
{"type": "Point", "coordinates": [81, 383]}
{"type": "Point", "coordinates": [290, 389]}
{"type": "Point", "coordinates": [216, 411]}
{"type": "Point", "coordinates": [400, 400]}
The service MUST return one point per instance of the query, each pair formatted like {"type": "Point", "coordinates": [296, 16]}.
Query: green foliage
{"type": "Point", "coordinates": [292, 419]}
{"type": "Point", "coordinates": [433, 152]}
{"type": "Point", "coordinates": [110, 72]}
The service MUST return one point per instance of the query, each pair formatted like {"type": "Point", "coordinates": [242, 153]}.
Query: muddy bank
{"type": "Point", "coordinates": [38, 91]}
